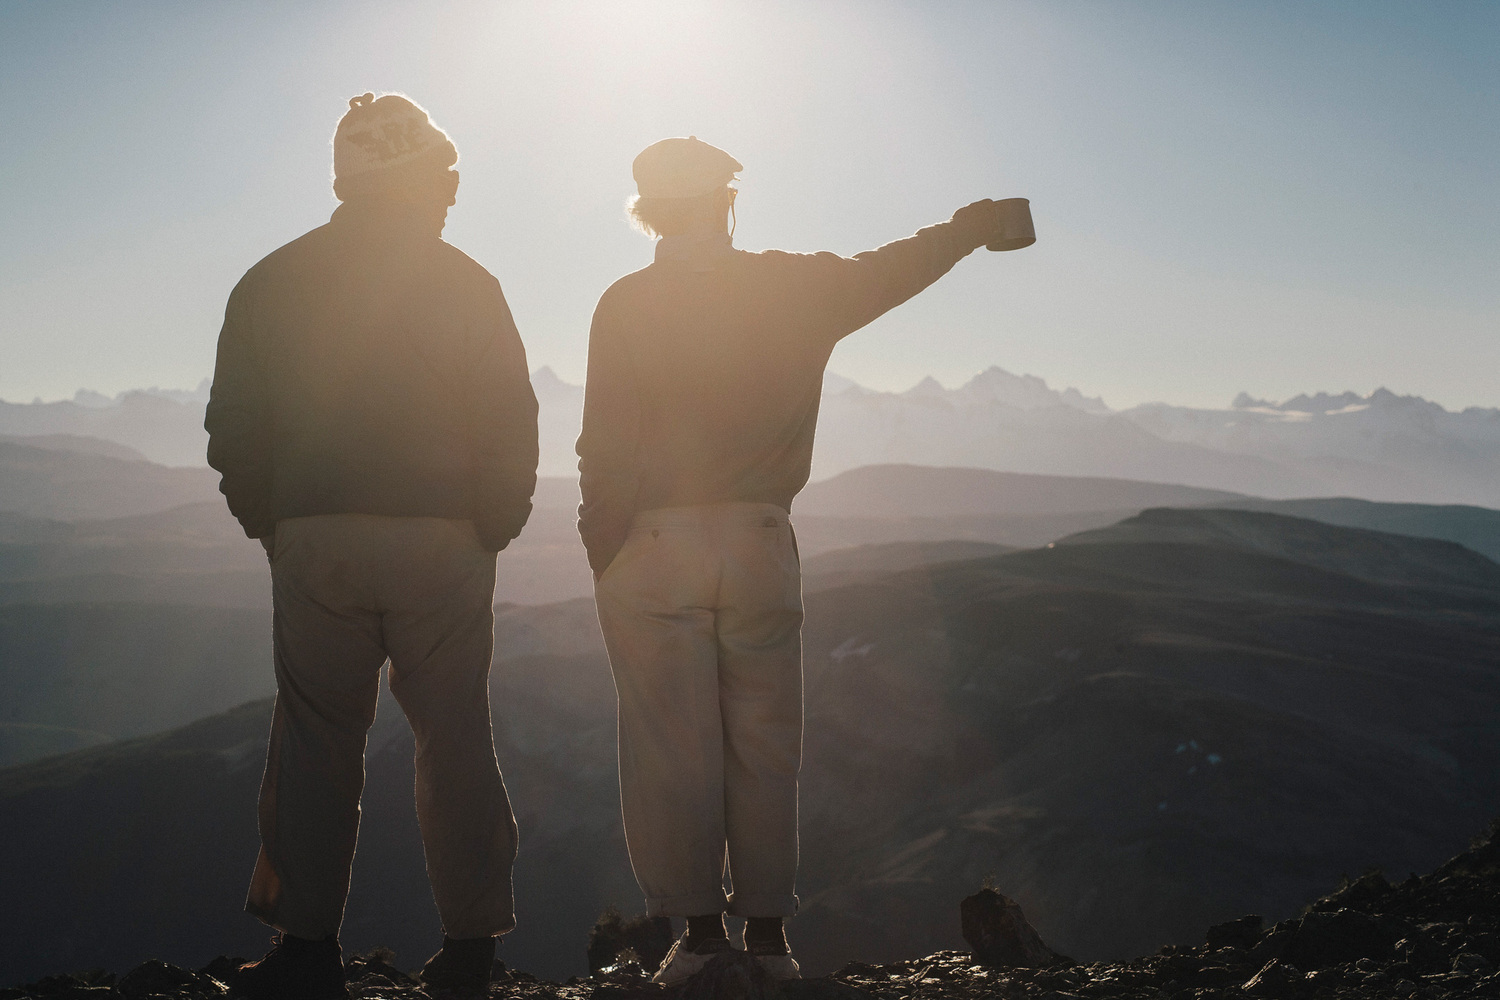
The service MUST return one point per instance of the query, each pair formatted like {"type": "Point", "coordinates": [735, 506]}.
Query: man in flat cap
{"type": "Point", "coordinates": [704, 376]}
{"type": "Point", "coordinates": [375, 426]}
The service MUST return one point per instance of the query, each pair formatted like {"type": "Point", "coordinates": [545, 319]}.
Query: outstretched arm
{"type": "Point", "coordinates": [869, 284]}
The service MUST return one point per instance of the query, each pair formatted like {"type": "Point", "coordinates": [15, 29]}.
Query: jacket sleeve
{"type": "Point", "coordinates": [503, 409]}
{"type": "Point", "coordinates": [237, 419]}
{"type": "Point", "coordinates": [857, 290]}
{"type": "Point", "coordinates": [607, 445]}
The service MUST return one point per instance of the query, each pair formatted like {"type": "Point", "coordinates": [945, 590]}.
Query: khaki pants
{"type": "Point", "coordinates": [702, 617]}
{"type": "Point", "coordinates": [350, 591]}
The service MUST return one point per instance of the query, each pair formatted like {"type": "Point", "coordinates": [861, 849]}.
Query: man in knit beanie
{"type": "Point", "coordinates": [375, 426]}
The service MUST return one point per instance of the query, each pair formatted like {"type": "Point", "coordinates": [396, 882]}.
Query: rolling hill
{"type": "Point", "coordinates": [162, 426]}
{"type": "Point", "coordinates": [899, 491]}
{"type": "Point", "coordinates": [81, 523]}
{"type": "Point", "coordinates": [135, 580]}
{"type": "Point", "coordinates": [1477, 528]}
{"type": "Point", "coordinates": [80, 674]}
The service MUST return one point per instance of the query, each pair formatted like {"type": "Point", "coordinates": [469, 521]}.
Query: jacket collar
{"type": "Point", "coordinates": [391, 216]}
{"type": "Point", "coordinates": [695, 251]}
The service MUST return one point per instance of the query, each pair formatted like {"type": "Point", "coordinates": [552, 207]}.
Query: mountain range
{"type": "Point", "coordinates": [1137, 731]}
{"type": "Point", "coordinates": [1381, 446]}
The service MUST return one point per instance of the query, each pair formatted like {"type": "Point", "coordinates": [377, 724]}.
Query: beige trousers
{"type": "Point", "coordinates": [702, 617]}
{"type": "Point", "coordinates": [350, 591]}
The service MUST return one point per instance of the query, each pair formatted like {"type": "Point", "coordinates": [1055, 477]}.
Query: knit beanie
{"type": "Point", "coordinates": [384, 134]}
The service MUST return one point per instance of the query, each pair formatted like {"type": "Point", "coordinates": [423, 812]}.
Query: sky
{"type": "Point", "coordinates": [1271, 197]}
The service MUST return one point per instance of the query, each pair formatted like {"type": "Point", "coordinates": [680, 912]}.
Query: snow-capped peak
{"type": "Point", "coordinates": [1026, 392]}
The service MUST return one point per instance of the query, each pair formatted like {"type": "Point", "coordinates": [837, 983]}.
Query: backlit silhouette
{"type": "Point", "coordinates": [704, 375]}
{"type": "Point", "coordinates": [376, 429]}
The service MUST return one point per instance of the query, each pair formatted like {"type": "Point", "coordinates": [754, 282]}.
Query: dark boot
{"type": "Point", "coordinates": [765, 939]}
{"type": "Point", "coordinates": [462, 965]}
{"type": "Point", "coordinates": [294, 969]}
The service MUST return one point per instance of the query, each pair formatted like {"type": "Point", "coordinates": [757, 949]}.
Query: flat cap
{"type": "Point", "coordinates": [682, 168]}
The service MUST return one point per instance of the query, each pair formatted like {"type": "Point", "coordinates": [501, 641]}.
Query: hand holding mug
{"type": "Point", "coordinates": [1013, 226]}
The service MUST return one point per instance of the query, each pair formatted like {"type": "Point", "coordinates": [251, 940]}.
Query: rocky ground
{"type": "Point", "coordinates": [1433, 936]}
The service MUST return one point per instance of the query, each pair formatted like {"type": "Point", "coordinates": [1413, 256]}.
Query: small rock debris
{"type": "Point", "coordinates": [1431, 937]}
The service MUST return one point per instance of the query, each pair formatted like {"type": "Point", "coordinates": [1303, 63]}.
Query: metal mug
{"type": "Point", "coordinates": [1013, 216]}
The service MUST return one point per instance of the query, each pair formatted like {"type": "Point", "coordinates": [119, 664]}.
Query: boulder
{"type": "Point", "coordinates": [732, 975]}
{"type": "Point", "coordinates": [153, 978]}
{"type": "Point", "coordinates": [998, 933]}
{"type": "Point", "coordinates": [616, 940]}
{"type": "Point", "coordinates": [1324, 939]}
{"type": "Point", "coordinates": [1241, 933]}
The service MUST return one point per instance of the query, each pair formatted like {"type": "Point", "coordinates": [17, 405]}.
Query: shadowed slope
{"type": "Point", "coordinates": [69, 484]}
{"type": "Point", "coordinates": [1372, 555]}
{"type": "Point", "coordinates": [925, 491]}
{"type": "Point", "coordinates": [95, 671]}
{"type": "Point", "coordinates": [1477, 528]}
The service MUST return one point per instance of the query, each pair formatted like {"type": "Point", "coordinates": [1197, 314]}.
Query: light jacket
{"type": "Point", "coordinates": [705, 370]}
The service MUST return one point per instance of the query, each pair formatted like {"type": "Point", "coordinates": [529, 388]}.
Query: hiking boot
{"type": "Point", "coordinates": [775, 959]}
{"type": "Point", "coordinates": [682, 963]}
{"type": "Point", "coordinates": [294, 969]}
{"type": "Point", "coordinates": [462, 965]}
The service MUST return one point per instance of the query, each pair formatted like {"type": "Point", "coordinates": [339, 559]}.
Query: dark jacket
{"type": "Point", "coordinates": [371, 368]}
{"type": "Point", "coordinates": [704, 376]}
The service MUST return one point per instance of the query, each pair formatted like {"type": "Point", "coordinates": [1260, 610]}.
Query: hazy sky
{"type": "Point", "coordinates": [1275, 197]}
